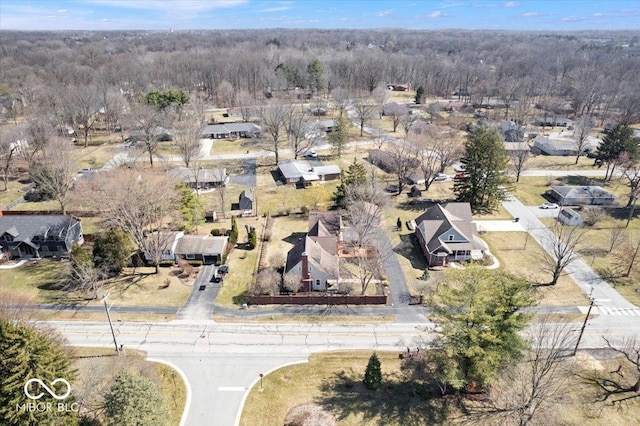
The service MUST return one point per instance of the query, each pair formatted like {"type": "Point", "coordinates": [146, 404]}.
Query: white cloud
{"type": "Point", "coordinates": [170, 5]}
{"type": "Point", "coordinates": [511, 4]}
{"type": "Point", "coordinates": [531, 14]}
{"type": "Point", "coordinates": [62, 11]}
{"type": "Point", "coordinates": [436, 14]}
{"type": "Point", "coordinates": [275, 9]}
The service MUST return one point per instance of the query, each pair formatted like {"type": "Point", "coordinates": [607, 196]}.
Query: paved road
{"type": "Point", "coordinates": [607, 299]}
{"type": "Point", "coordinates": [200, 304]}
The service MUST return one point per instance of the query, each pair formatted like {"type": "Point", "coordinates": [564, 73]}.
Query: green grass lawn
{"type": "Point", "coordinates": [333, 380]}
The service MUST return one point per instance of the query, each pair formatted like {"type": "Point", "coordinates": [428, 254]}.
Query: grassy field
{"type": "Point", "coordinates": [38, 282]}
{"type": "Point", "coordinates": [98, 368]}
{"type": "Point", "coordinates": [508, 247]}
{"type": "Point", "coordinates": [333, 380]}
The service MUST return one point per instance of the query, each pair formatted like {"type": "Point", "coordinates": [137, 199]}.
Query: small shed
{"type": "Point", "coordinates": [415, 192]}
{"type": "Point", "coordinates": [245, 201]}
{"type": "Point", "coordinates": [569, 217]}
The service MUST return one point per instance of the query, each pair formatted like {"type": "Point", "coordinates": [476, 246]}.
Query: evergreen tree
{"type": "Point", "coordinates": [134, 400]}
{"type": "Point", "coordinates": [339, 136]}
{"type": "Point", "coordinates": [233, 233]}
{"type": "Point", "coordinates": [253, 238]}
{"type": "Point", "coordinates": [112, 250]}
{"type": "Point", "coordinates": [191, 207]}
{"type": "Point", "coordinates": [316, 76]}
{"type": "Point", "coordinates": [486, 183]}
{"type": "Point", "coordinates": [356, 174]}
{"type": "Point", "coordinates": [27, 353]}
{"type": "Point", "coordinates": [480, 312]}
{"type": "Point", "coordinates": [399, 224]}
{"type": "Point", "coordinates": [618, 141]}
{"type": "Point", "coordinates": [373, 373]}
{"type": "Point", "coordinates": [420, 95]}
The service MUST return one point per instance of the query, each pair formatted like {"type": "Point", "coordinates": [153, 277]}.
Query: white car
{"type": "Point", "coordinates": [549, 206]}
{"type": "Point", "coordinates": [311, 154]}
{"type": "Point", "coordinates": [440, 177]}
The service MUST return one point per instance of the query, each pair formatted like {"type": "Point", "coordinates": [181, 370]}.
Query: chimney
{"type": "Point", "coordinates": [306, 275]}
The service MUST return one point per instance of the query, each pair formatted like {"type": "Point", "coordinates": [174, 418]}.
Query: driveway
{"type": "Point", "coordinates": [248, 176]}
{"type": "Point", "coordinates": [606, 298]}
{"type": "Point", "coordinates": [199, 305]}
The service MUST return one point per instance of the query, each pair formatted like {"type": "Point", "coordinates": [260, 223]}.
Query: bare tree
{"type": "Point", "coordinates": [81, 105]}
{"type": "Point", "coordinates": [146, 121]}
{"type": "Point", "coordinates": [518, 159]}
{"type": "Point", "coordinates": [581, 130]}
{"type": "Point", "coordinates": [298, 128]}
{"type": "Point", "coordinates": [10, 146]}
{"type": "Point", "coordinates": [273, 119]}
{"type": "Point", "coordinates": [340, 99]}
{"type": "Point", "coordinates": [622, 384]}
{"type": "Point", "coordinates": [561, 243]}
{"type": "Point", "coordinates": [616, 235]}
{"type": "Point", "coordinates": [244, 102]}
{"type": "Point", "coordinates": [397, 114]}
{"type": "Point", "coordinates": [406, 121]}
{"type": "Point", "coordinates": [292, 282]}
{"type": "Point", "coordinates": [267, 283]}
{"type": "Point", "coordinates": [529, 392]}
{"type": "Point", "coordinates": [403, 160]}
{"type": "Point", "coordinates": [138, 202]}
{"type": "Point", "coordinates": [54, 171]}
{"type": "Point", "coordinates": [187, 138]}
{"type": "Point", "coordinates": [631, 172]}
{"type": "Point", "coordinates": [364, 110]}
{"type": "Point", "coordinates": [436, 149]}
{"type": "Point", "coordinates": [634, 255]}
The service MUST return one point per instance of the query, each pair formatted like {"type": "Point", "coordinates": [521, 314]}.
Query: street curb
{"type": "Point", "coordinates": [246, 393]}
{"type": "Point", "coordinates": [187, 403]}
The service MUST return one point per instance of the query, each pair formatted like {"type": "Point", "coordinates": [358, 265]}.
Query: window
{"type": "Point", "coordinates": [318, 283]}
{"type": "Point", "coordinates": [450, 237]}
{"type": "Point", "coordinates": [189, 256]}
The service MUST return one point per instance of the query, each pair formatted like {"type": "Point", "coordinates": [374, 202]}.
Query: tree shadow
{"type": "Point", "coordinates": [582, 180]}
{"type": "Point", "coordinates": [294, 237]}
{"type": "Point", "coordinates": [396, 402]}
{"type": "Point", "coordinates": [410, 249]}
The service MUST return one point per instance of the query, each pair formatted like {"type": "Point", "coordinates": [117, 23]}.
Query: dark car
{"type": "Point", "coordinates": [224, 269]}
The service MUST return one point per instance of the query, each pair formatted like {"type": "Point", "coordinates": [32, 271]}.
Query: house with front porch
{"type": "Point", "coordinates": [446, 233]}
{"type": "Point", "coordinates": [34, 236]}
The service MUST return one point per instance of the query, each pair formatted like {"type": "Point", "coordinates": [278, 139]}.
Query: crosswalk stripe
{"type": "Point", "coordinates": [605, 310]}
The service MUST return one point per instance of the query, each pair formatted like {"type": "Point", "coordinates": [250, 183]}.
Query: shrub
{"type": "Point", "coordinates": [166, 263]}
{"type": "Point", "coordinates": [195, 262]}
{"type": "Point", "coordinates": [216, 232]}
{"type": "Point", "coordinates": [373, 373]}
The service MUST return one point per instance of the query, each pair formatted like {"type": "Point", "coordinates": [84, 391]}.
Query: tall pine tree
{"type": "Point", "coordinates": [28, 353]}
{"type": "Point", "coordinates": [485, 183]}
{"type": "Point", "coordinates": [373, 373]}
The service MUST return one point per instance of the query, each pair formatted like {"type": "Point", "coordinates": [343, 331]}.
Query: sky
{"type": "Point", "coordinates": [237, 14]}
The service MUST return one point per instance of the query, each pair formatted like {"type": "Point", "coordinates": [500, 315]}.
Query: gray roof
{"type": "Point", "coordinates": [330, 169]}
{"type": "Point", "coordinates": [204, 175]}
{"type": "Point", "coordinates": [296, 169]}
{"type": "Point", "coordinates": [26, 227]}
{"type": "Point", "coordinates": [226, 128]}
{"type": "Point", "coordinates": [199, 244]}
{"type": "Point", "coordinates": [248, 194]}
{"type": "Point", "coordinates": [450, 218]}
{"type": "Point", "coordinates": [582, 192]}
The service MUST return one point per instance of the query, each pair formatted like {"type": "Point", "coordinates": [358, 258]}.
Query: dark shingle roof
{"type": "Point", "coordinates": [26, 227]}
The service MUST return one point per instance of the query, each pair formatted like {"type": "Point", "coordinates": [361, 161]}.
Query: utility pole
{"type": "Point", "coordinates": [584, 324]}
{"type": "Point", "coordinates": [106, 307]}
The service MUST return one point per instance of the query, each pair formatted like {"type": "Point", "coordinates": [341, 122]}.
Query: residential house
{"type": "Point", "coordinates": [201, 178]}
{"type": "Point", "coordinates": [581, 195]}
{"type": "Point", "coordinates": [566, 147]}
{"type": "Point", "coordinates": [245, 200]}
{"type": "Point", "coordinates": [398, 87]}
{"type": "Point", "coordinates": [394, 108]}
{"type": "Point", "coordinates": [299, 172]}
{"type": "Point", "coordinates": [511, 131]}
{"type": "Point", "coordinates": [446, 233]}
{"type": "Point", "coordinates": [231, 131]}
{"type": "Point", "coordinates": [35, 236]}
{"type": "Point", "coordinates": [208, 249]}
{"type": "Point", "coordinates": [569, 217]}
{"type": "Point", "coordinates": [324, 125]}
{"type": "Point", "coordinates": [315, 258]}
{"type": "Point", "coordinates": [553, 121]}
{"type": "Point", "coordinates": [166, 241]}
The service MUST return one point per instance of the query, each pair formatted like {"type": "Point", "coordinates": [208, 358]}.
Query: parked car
{"type": "Point", "coordinates": [440, 177]}
{"type": "Point", "coordinates": [461, 176]}
{"type": "Point", "coordinates": [311, 154]}
{"type": "Point", "coordinates": [224, 269]}
{"type": "Point", "coordinates": [549, 206]}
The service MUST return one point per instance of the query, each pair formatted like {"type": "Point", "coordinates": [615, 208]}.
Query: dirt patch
{"type": "Point", "coordinates": [309, 415]}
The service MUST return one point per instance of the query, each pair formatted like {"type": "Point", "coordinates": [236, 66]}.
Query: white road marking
{"type": "Point", "coordinates": [231, 389]}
